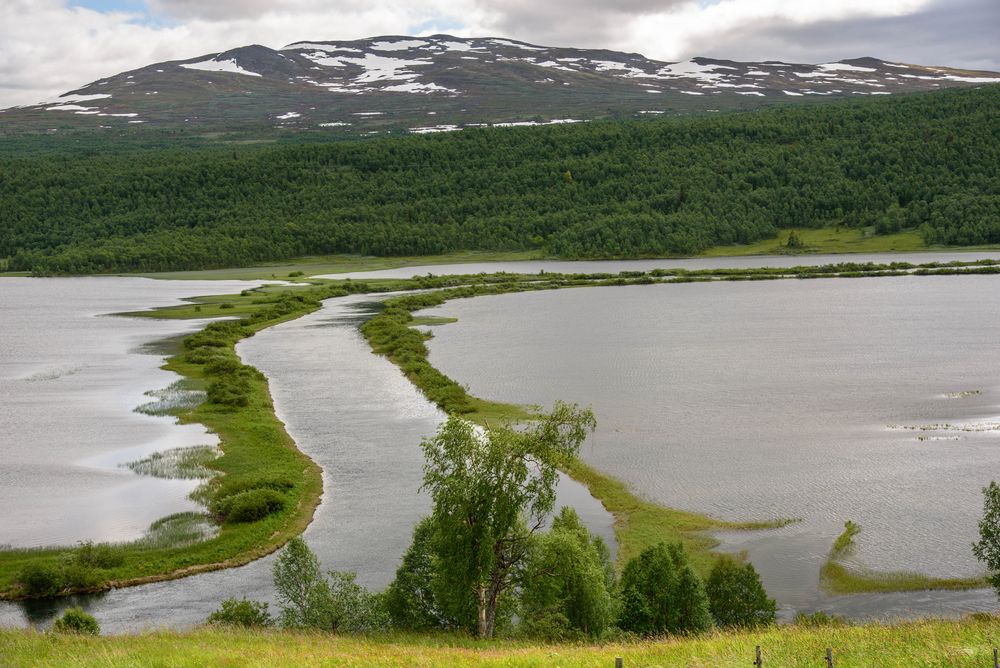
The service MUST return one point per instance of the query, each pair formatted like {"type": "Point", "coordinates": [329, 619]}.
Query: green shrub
{"type": "Point", "coordinates": [80, 576]}
{"type": "Point", "coordinates": [568, 583]}
{"type": "Point", "coordinates": [308, 600]}
{"type": "Point", "coordinates": [737, 597]}
{"type": "Point", "coordinates": [250, 506]}
{"type": "Point", "coordinates": [235, 485]}
{"type": "Point", "coordinates": [248, 614]}
{"type": "Point", "coordinates": [225, 305]}
{"type": "Point", "coordinates": [98, 556]}
{"type": "Point", "coordinates": [229, 391]}
{"type": "Point", "coordinates": [662, 594]}
{"type": "Point", "coordinates": [223, 364]}
{"type": "Point", "coordinates": [75, 620]}
{"type": "Point", "coordinates": [41, 580]}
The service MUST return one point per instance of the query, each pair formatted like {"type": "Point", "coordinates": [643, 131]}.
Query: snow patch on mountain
{"type": "Point", "coordinates": [212, 65]}
{"type": "Point", "coordinates": [691, 70]}
{"type": "Point", "coordinates": [417, 87]}
{"type": "Point", "coordinates": [399, 45]}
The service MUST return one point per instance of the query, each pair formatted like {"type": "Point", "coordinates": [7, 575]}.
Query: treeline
{"type": "Point", "coordinates": [610, 189]}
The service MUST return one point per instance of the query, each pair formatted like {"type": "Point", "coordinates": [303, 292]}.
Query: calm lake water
{"type": "Point", "coordinates": [874, 400]}
{"type": "Point", "coordinates": [70, 379]}
{"type": "Point", "coordinates": [357, 416]}
{"type": "Point", "coordinates": [721, 361]}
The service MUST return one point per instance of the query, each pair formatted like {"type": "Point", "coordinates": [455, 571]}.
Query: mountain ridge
{"type": "Point", "coordinates": [443, 82]}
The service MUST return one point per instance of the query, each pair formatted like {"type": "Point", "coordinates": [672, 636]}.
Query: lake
{"type": "Point", "coordinates": [913, 346]}
{"type": "Point", "coordinates": [70, 380]}
{"type": "Point", "coordinates": [352, 412]}
{"type": "Point", "coordinates": [874, 400]}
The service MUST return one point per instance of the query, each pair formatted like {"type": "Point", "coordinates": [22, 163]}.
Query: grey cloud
{"type": "Point", "coordinates": [229, 10]}
{"type": "Point", "coordinates": [955, 33]}
{"type": "Point", "coordinates": [583, 23]}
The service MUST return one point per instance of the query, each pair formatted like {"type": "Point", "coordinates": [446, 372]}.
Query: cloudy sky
{"type": "Point", "coordinates": [50, 46]}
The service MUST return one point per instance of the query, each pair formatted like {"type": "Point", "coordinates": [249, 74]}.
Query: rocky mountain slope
{"type": "Point", "coordinates": [441, 83]}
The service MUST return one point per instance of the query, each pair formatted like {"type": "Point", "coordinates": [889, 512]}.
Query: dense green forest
{"type": "Point", "coordinates": [603, 189]}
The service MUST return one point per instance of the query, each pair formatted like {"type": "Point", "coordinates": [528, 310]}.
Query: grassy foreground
{"type": "Point", "coordinates": [958, 644]}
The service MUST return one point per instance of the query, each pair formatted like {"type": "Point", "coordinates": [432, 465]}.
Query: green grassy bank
{"type": "Point", "coordinates": [966, 643]}
{"type": "Point", "coordinates": [838, 577]}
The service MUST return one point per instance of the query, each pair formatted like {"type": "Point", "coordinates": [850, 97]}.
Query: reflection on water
{"type": "Point", "coordinates": [769, 399]}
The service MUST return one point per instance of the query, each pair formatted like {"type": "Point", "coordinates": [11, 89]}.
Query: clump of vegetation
{"type": "Point", "coordinates": [818, 619]}
{"type": "Point", "coordinates": [242, 613]}
{"type": "Point", "coordinates": [310, 600]}
{"type": "Point", "coordinates": [41, 580]}
{"type": "Point", "coordinates": [172, 399]}
{"type": "Point", "coordinates": [177, 530]}
{"type": "Point", "coordinates": [987, 548]}
{"type": "Point", "coordinates": [737, 597]}
{"type": "Point", "coordinates": [662, 594]}
{"type": "Point", "coordinates": [569, 586]}
{"type": "Point", "coordinates": [76, 620]}
{"type": "Point", "coordinates": [249, 506]}
{"type": "Point", "coordinates": [794, 241]}
{"type": "Point", "coordinates": [191, 463]}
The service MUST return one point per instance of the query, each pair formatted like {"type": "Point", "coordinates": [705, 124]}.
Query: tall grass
{"type": "Point", "coordinates": [964, 643]}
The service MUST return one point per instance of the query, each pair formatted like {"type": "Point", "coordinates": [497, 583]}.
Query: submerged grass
{"type": "Point", "coordinates": [190, 463]}
{"type": "Point", "coordinates": [837, 577]}
{"type": "Point", "coordinates": [966, 643]}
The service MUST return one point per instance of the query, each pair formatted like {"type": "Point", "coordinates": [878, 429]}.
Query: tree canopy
{"type": "Point", "coordinates": [604, 189]}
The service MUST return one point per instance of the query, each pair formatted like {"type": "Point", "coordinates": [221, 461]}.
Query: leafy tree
{"type": "Point", "coordinates": [310, 600]}
{"type": "Point", "coordinates": [661, 593]}
{"type": "Point", "coordinates": [737, 596]}
{"type": "Point", "coordinates": [76, 620]}
{"type": "Point", "coordinates": [245, 613]}
{"type": "Point", "coordinates": [491, 492]}
{"type": "Point", "coordinates": [298, 579]}
{"type": "Point", "coordinates": [568, 584]}
{"type": "Point", "coordinates": [987, 549]}
{"type": "Point", "coordinates": [410, 598]}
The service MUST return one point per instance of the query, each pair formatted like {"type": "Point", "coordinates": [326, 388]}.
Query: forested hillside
{"type": "Point", "coordinates": [672, 186]}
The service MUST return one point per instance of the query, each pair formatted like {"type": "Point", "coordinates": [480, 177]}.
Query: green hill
{"type": "Point", "coordinates": [928, 162]}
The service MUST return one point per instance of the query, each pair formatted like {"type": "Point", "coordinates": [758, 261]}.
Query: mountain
{"type": "Point", "coordinates": [441, 83]}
